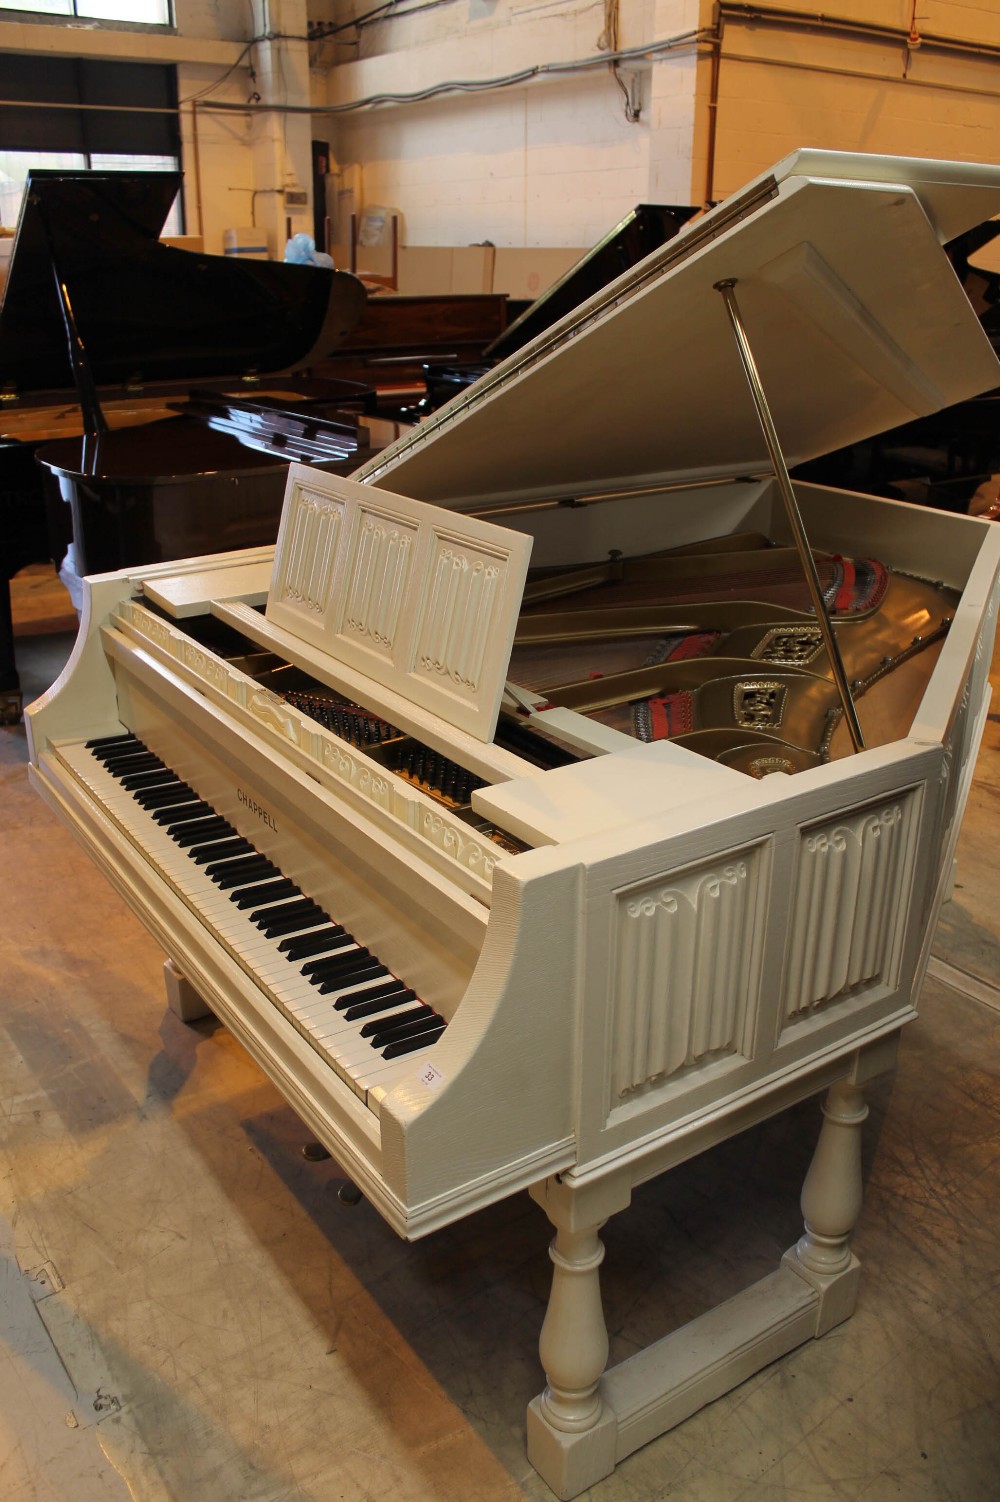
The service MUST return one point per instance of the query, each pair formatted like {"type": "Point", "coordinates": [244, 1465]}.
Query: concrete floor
{"type": "Point", "coordinates": [188, 1313]}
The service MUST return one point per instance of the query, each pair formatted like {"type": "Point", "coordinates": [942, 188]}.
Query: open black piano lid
{"type": "Point", "coordinates": [149, 312]}
{"type": "Point", "coordinates": [643, 230]}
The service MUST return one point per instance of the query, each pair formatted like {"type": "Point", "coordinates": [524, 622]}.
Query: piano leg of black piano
{"type": "Point", "coordinates": [24, 538]}
{"type": "Point", "coordinates": [10, 683]}
{"type": "Point", "coordinates": [588, 1419]}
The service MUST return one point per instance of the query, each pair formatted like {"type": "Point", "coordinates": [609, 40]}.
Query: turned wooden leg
{"type": "Point", "coordinates": [574, 1341]}
{"type": "Point", "coordinates": [572, 1431]}
{"type": "Point", "coordinates": [832, 1192]}
{"type": "Point", "coordinates": [831, 1204]}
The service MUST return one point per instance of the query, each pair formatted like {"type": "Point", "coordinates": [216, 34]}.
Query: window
{"type": "Point", "coordinates": [139, 12]}
{"type": "Point", "coordinates": [15, 165]}
{"type": "Point", "coordinates": [76, 112]}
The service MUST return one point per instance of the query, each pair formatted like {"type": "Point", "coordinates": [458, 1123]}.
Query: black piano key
{"type": "Point", "coordinates": [164, 772]}
{"type": "Point", "coordinates": [148, 782]}
{"type": "Point", "coordinates": [202, 854]}
{"type": "Point", "coordinates": [278, 912]}
{"type": "Point", "coordinates": [366, 970]}
{"type": "Point", "coordinates": [299, 924]}
{"type": "Point", "coordinates": [375, 992]}
{"type": "Point", "coordinates": [243, 863]}
{"type": "Point", "coordinates": [187, 823]}
{"type": "Point", "coordinates": [170, 810]}
{"type": "Point", "coordinates": [333, 937]}
{"type": "Point", "coordinates": [396, 995]}
{"type": "Point", "coordinates": [327, 967]}
{"type": "Point", "coordinates": [272, 892]}
{"type": "Point", "coordinates": [424, 1031]}
{"type": "Point", "coordinates": [228, 881]}
{"type": "Point", "coordinates": [353, 969]}
{"type": "Point", "coordinates": [177, 813]}
{"type": "Point", "coordinates": [160, 776]}
{"type": "Point", "coordinates": [132, 761]}
{"type": "Point", "coordinates": [163, 793]}
{"type": "Point", "coordinates": [128, 776]}
{"type": "Point", "coordinates": [410, 1045]}
{"type": "Point", "coordinates": [135, 753]}
{"type": "Point", "coordinates": [199, 832]}
{"type": "Point", "coordinates": [126, 756]}
{"type": "Point", "coordinates": [234, 879]}
{"type": "Point", "coordinates": [308, 913]}
{"type": "Point", "coordinates": [101, 741]}
{"type": "Point", "coordinates": [184, 819]}
{"type": "Point", "coordinates": [380, 1025]}
{"type": "Point", "coordinates": [269, 910]}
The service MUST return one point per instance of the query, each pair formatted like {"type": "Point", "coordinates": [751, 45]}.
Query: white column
{"type": "Point", "coordinates": [679, 89]}
{"type": "Point", "coordinates": [280, 142]}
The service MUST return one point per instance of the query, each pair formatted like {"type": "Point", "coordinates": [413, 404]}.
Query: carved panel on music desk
{"type": "Point", "coordinates": [462, 601]}
{"type": "Point", "coordinates": [424, 607]}
{"type": "Point", "coordinates": [849, 900]}
{"type": "Point", "coordinates": [380, 575]}
{"type": "Point", "coordinates": [303, 574]}
{"type": "Point", "coordinates": [686, 982]}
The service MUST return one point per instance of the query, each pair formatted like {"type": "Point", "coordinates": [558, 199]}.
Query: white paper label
{"type": "Point", "coordinates": [431, 1077]}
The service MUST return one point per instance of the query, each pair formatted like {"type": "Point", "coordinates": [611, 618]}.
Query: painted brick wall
{"type": "Point", "coordinates": [549, 167]}
{"type": "Point", "coordinates": [539, 164]}
{"type": "Point", "coordinates": [555, 161]}
{"type": "Point", "coordinates": [783, 89]}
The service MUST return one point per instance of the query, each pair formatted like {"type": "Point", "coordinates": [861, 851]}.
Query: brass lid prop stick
{"type": "Point", "coordinates": [726, 288]}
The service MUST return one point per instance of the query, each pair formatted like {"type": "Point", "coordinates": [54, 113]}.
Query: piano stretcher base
{"type": "Point", "coordinates": [588, 1419]}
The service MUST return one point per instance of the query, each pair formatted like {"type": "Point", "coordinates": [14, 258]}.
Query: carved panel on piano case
{"type": "Point", "coordinates": [849, 903]}
{"type": "Point", "coordinates": [421, 600]}
{"type": "Point", "coordinates": [685, 988]}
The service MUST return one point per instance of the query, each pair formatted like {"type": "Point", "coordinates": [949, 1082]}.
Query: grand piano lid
{"type": "Point", "coordinates": [149, 312]}
{"type": "Point", "coordinates": [643, 230]}
{"type": "Point", "coordinates": [854, 315]}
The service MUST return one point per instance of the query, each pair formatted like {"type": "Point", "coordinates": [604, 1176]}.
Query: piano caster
{"type": "Point", "coordinates": [314, 1152]}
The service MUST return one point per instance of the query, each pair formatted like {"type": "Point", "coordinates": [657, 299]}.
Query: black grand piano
{"type": "Point", "coordinates": [643, 230]}
{"type": "Point", "coordinates": [103, 331]}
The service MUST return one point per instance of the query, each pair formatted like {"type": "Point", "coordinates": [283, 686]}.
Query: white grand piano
{"type": "Point", "coordinates": [542, 811]}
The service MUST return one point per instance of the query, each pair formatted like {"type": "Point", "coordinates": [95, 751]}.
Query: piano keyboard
{"type": "Point", "coordinates": [363, 1020]}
